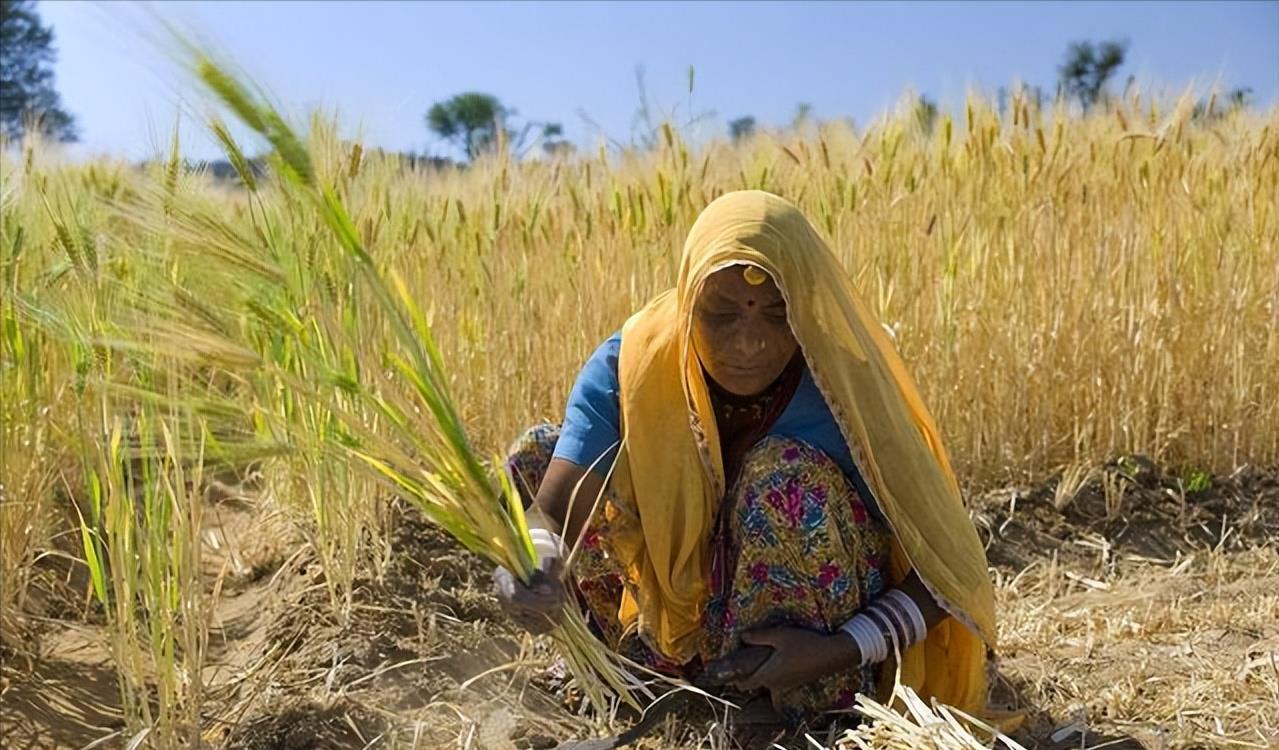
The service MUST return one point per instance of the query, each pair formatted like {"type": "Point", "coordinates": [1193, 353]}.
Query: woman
{"type": "Point", "coordinates": [770, 483]}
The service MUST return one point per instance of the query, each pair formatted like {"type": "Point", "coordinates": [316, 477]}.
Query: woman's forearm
{"type": "Point", "coordinates": [565, 499]}
{"type": "Point", "coordinates": [866, 634]}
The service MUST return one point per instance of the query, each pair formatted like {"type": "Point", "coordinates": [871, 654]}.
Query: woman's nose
{"type": "Point", "coordinates": [747, 342]}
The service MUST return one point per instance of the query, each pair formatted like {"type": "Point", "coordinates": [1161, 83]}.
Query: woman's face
{"type": "Point", "coordinates": [740, 330]}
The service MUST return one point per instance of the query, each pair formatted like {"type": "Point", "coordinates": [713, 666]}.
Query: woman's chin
{"type": "Point", "coordinates": [745, 386]}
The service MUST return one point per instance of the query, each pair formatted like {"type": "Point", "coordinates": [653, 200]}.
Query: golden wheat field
{"type": "Point", "coordinates": [215, 395]}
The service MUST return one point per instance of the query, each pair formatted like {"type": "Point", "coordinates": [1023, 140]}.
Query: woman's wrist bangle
{"type": "Point", "coordinates": [546, 545]}
{"type": "Point", "coordinates": [893, 622]}
{"type": "Point", "coordinates": [903, 604]}
{"type": "Point", "coordinates": [870, 641]}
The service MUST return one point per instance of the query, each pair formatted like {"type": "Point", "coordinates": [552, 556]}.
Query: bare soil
{"type": "Point", "coordinates": [1091, 596]}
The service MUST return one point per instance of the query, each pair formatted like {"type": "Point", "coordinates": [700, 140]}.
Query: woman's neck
{"type": "Point", "coordinates": [727, 397]}
{"type": "Point", "coordinates": [743, 421]}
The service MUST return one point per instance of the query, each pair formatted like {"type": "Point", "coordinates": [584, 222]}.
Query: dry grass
{"type": "Point", "coordinates": [1178, 656]}
{"type": "Point", "coordinates": [1064, 288]}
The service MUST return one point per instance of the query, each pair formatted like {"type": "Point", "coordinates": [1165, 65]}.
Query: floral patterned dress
{"type": "Point", "coordinates": [794, 546]}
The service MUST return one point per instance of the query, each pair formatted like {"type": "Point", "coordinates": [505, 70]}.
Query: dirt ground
{"type": "Point", "coordinates": [1132, 612]}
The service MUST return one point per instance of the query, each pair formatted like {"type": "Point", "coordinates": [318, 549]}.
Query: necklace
{"type": "Point", "coordinates": [733, 410]}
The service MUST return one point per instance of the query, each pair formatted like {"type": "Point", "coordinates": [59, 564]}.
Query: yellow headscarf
{"type": "Point", "coordinates": [670, 474]}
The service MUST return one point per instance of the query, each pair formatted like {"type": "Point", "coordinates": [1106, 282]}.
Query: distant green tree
{"type": "Point", "coordinates": [925, 113]}
{"type": "Point", "coordinates": [553, 143]}
{"type": "Point", "coordinates": [477, 122]}
{"type": "Point", "coordinates": [1033, 95]}
{"type": "Point", "coordinates": [1237, 98]}
{"type": "Point", "coordinates": [1088, 67]}
{"type": "Point", "coordinates": [27, 95]}
{"type": "Point", "coordinates": [742, 127]}
{"type": "Point", "coordinates": [803, 112]}
{"type": "Point", "coordinates": [470, 120]}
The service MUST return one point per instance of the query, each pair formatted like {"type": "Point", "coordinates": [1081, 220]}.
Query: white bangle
{"type": "Point", "coordinates": [912, 611]}
{"type": "Point", "coordinates": [898, 627]}
{"type": "Point", "coordinates": [547, 545]}
{"type": "Point", "coordinates": [875, 635]}
{"type": "Point", "coordinates": [870, 639]}
{"type": "Point", "coordinates": [887, 627]}
{"type": "Point", "coordinates": [891, 623]}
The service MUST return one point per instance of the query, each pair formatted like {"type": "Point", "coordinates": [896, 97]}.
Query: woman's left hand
{"type": "Point", "coordinates": [799, 656]}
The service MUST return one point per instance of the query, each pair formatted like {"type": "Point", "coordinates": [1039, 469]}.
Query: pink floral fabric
{"type": "Point", "coordinates": [794, 545]}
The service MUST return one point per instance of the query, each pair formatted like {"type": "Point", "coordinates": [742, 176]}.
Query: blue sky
{"type": "Point", "coordinates": [381, 65]}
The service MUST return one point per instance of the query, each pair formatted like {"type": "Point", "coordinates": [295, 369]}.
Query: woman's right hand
{"type": "Point", "coordinates": [538, 606]}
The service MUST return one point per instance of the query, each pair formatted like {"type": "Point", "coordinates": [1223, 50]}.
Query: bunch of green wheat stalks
{"type": "Point", "coordinates": [393, 419]}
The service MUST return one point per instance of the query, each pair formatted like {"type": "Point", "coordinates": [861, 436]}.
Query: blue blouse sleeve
{"type": "Point", "coordinates": [592, 421]}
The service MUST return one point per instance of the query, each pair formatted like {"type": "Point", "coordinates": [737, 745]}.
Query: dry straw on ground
{"type": "Point", "coordinates": [1065, 288]}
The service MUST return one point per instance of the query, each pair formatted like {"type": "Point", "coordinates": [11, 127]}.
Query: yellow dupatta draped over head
{"type": "Point", "coordinates": [670, 476]}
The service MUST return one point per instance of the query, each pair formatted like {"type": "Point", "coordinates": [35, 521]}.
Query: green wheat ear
{"type": "Point", "coordinates": [443, 477]}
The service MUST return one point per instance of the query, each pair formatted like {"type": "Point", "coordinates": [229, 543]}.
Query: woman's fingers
{"type": "Point", "coordinates": [754, 681]}
{"type": "Point", "coordinates": [763, 677]}
{"type": "Point", "coordinates": [542, 594]}
{"type": "Point", "coordinates": [553, 569]}
{"type": "Point", "coordinates": [776, 697]}
{"type": "Point", "coordinates": [535, 607]}
{"type": "Point", "coordinates": [774, 675]}
{"type": "Point", "coordinates": [735, 666]}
